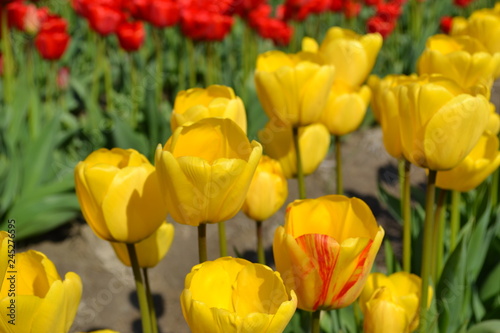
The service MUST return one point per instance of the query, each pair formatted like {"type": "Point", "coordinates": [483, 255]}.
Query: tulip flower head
{"type": "Point", "coordinates": [482, 161]}
{"type": "Point", "coordinates": [314, 141]}
{"type": "Point", "coordinates": [44, 303]}
{"type": "Point", "coordinates": [235, 295]}
{"type": "Point", "coordinates": [151, 250]}
{"type": "Point", "coordinates": [352, 55]}
{"type": "Point", "coordinates": [268, 190]}
{"type": "Point", "coordinates": [293, 88]}
{"type": "Point", "coordinates": [440, 122]}
{"type": "Point", "coordinates": [326, 250]}
{"type": "Point", "coordinates": [215, 101]}
{"type": "Point", "coordinates": [119, 195]}
{"type": "Point", "coordinates": [345, 108]}
{"type": "Point", "coordinates": [449, 55]}
{"type": "Point", "coordinates": [391, 303]}
{"type": "Point", "coordinates": [205, 169]}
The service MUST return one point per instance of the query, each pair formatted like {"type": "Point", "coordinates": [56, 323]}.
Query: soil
{"type": "Point", "coordinates": [109, 300]}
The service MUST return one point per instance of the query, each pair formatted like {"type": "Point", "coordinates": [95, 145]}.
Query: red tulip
{"type": "Point", "coordinates": [351, 9]}
{"type": "Point", "coordinates": [139, 9]}
{"type": "Point", "coordinates": [372, 2]}
{"type": "Point", "coordinates": [199, 24]}
{"type": "Point", "coordinates": [462, 3]}
{"type": "Point", "coordinates": [163, 13]}
{"type": "Point", "coordinates": [336, 5]}
{"type": "Point", "coordinates": [16, 12]}
{"type": "Point", "coordinates": [276, 30]}
{"type": "Point", "coordinates": [258, 14]}
{"type": "Point", "coordinates": [52, 40]}
{"type": "Point", "coordinates": [131, 35]}
{"type": "Point", "coordinates": [389, 11]}
{"type": "Point", "coordinates": [104, 20]}
{"type": "Point", "coordinates": [445, 24]}
{"type": "Point", "coordinates": [380, 25]}
{"type": "Point", "coordinates": [63, 78]}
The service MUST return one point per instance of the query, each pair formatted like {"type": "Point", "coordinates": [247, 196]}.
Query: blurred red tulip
{"type": "Point", "coordinates": [351, 9]}
{"type": "Point", "coordinates": [52, 40]}
{"type": "Point", "coordinates": [389, 11]}
{"type": "Point", "coordinates": [380, 25]}
{"type": "Point", "coordinates": [276, 30]}
{"type": "Point", "coordinates": [445, 24]}
{"type": "Point", "coordinates": [63, 78]}
{"type": "Point", "coordinates": [199, 24]}
{"type": "Point", "coordinates": [104, 20]}
{"type": "Point", "coordinates": [372, 2]}
{"type": "Point", "coordinates": [16, 12]}
{"type": "Point", "coordinates": [336, 5]}
{"type": "Point", "coordinates": [139, 9]}
{"type": "Point", "coordinates": [163, 13]}
{"type": "Point", "coordinates": [131, 35]}
{"type": "Point", "coordinates": [462, 3]}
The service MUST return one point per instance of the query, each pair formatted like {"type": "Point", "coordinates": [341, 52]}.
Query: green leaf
{"type": "Point", "coordinates": [125, 137]}
{"type": "Point", "coordinates": [478, 246]}
{"type": "Point", "coordinates": [491, 287]}
{"type": "Point", "coordinates": [392, 203]}
{"type": "Point", "coordinates": [490, 326]}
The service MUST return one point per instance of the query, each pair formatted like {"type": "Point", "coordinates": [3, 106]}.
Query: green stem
{"type": "Point", "coordinates": [406, 214]}
{"type": "Point", "coordinates": [427, 248]}
{"type": "Point", "coordinates": [438, 236]}
{"type": "Point", "coordinates": [134, 92]}
{"type": "Point", "coordinates": [94, 93]}
{"type": "Point", "coordinates": [34, 116]}
{"type": "Point", "coordinates": [454, 219]}
{"type": "Point", "coordinates": [260, 244]}
{"type": "Point", "coordinates": [222, 239]}
{"type": "Point", "coordinates": [141, 291]}
{"type": "Point", "coordinates": [494, 189]}
{"type": "Point", "coordinates": [8, 60]}
{"type": "Point", "coordinates": [338, 159]}
{"type": "Point", "coordinates": [300, 172]}
{"type": "Point", "coordinates": [202, 242]}
{"type": "Point", "coordinates": [108, 82]}
{"type": "Point", "coordinates": [159, 66]}
{"type": "Point", "coordinates": [315, 321]}
{"type": "Point", "coordinates": [192, 66]}
{"type": "Point", "coordinates": [151, 304]}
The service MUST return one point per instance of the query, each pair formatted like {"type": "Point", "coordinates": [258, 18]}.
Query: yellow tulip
{"type": "Point", "coordinates": [390, 304]}
{"type": "Point", "coordinates": [386, 111]}
{"type": "Point", "coordinates": [293, 88]}
{"type": "Point", "coordinates": [119, 195]}
{"type": "Point", "coordinates": [43, 302]}
{"type": "Point", "coordinates": [103, 331]}
{"type": "Point", "coordinates": [460, 58]}
{"type": "Point", "coordinates": [345, 108]}
{"type": "Point", "coordinates": [214, 101]}
{"type": "Point", "coordinates": [235, 295]}
{"type": "Point", "coordinates": [493, 121]}
{"type": "Point", "coordinates": [6, 248]}
{"type": "Point", "coordinates": [205, 169]}
{"type": "Point", "coordinates": [267, 192]}
{"type": "Point", "coordinates": [482, 161]}
{"type": "Point", "coordinates": [440, 122]}
{"type": "Point", "coordinates": [326, 250]}
{"type": "Point", "coordinates": [483, 24]}
{"type": "Point", "coordinates": [352, 55]}
{"type": "Point", "coordinates": [314, 141]}
{"type": "Point", "coordinates": [151, 250]}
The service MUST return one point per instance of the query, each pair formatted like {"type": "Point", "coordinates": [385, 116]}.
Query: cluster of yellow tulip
{"type": "Point", "coordinates": [442, 120]}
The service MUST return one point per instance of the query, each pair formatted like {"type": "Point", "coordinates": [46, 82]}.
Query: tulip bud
{"type": "Point", "coordinates": [43, 302]}
{"type": "Point", "coordinates": [215, 101]}
{"type": "Point", "coordinates": [314, 141]}
{"type": "Point", "coordinates": [326, 250]}
{"type": "Point", "coordinates": [352, 55]}
{"type": "Point", "coordinates": [440, 122]}
{"type": "Point", "coordinates": [205, 169]}
{"type": "Point", "coordinates": [119, 195]}
{"type": "Point", "coordinates": [293, 88]}
{"type": "Point", "coordinates": [481, 162]}
{"type": "Point", "coordinates": [391, 303]}
{"type": "Point", "coordinates": [151, 250]}
{"type": "Point", "coordinates": [267, 192]}
{"type": "Point", "coordinates": [235, 295]}
{"type": "Point", "coordinates": [345, 108]}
